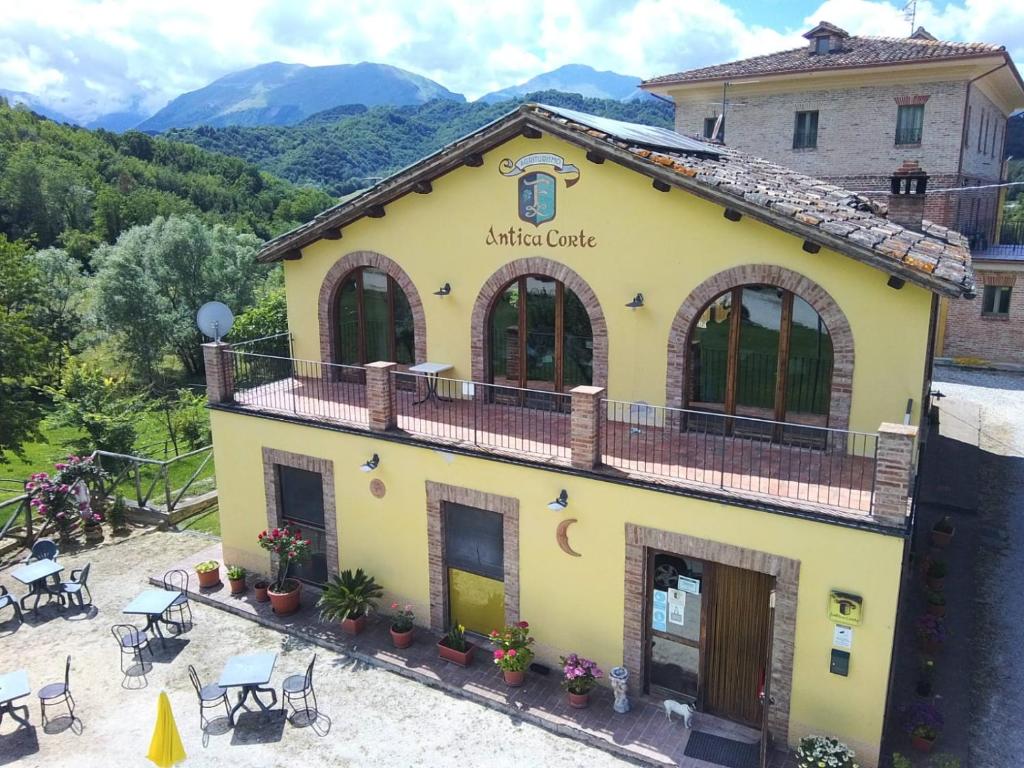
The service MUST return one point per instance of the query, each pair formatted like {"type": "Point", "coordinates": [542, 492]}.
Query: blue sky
{"type": "Point", "coordinates": [91, 57]}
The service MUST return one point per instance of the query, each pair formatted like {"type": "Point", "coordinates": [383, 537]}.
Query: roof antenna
{"type": "Point", "coordinates": [910, 14]}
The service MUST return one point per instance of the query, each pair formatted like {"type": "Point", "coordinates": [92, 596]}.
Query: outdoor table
{"type": "Point", "coordinates": [431, 372]}
{"type": "Point", "coordinates": [249, 672]}
{"type": "Point", "coordinates": [14, 685]}
{"type": "Point", "coordinates": [34, 576]}
{"type": "Point", "coordinates": [152, 603]}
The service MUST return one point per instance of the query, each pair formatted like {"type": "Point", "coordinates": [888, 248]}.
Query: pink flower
{"type": "Point", "coordinates": [394, 606]}
{"type": "Point", "coordinates": [523, 625]}
{"type": "Point", "coordinates": [511, 652]}
{"type": "Point", "coordinates": [500, 654]}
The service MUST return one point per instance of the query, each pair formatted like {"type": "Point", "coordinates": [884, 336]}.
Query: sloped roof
{"type": "Point", "coordinates": [820, 212]}
{"type": "Point", "coordinates": [854, 52]}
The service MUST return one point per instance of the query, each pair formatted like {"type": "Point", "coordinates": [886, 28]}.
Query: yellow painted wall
{"type": "Point", "coordinates": [660, 244]}
{"type": "Point", "coordinates": [576, 604]}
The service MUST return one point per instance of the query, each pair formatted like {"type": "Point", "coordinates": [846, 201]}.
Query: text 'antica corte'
{"type": "Point", "coordinates": [553, 238]}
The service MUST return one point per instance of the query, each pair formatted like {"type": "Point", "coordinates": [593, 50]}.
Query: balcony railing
{"type": "Point", "coordinates": [830, 467]}
{"type": "Point", "coordinates": [828, 470]}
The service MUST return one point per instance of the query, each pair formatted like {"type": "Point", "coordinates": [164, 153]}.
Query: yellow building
{"type": "Point", "coordinates": [652, 395]}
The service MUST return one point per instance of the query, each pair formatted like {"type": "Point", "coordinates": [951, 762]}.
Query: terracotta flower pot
{"type": "Point", "coordinates": [237, 585]}
{"type": "Point", "coordinates": [514, 679]}
{"type": "Point", "coordinates": [208, 579]}
{"type": "Point", "coordinates": [261, 587]}
{"type": "Point", "coordinates": [286, 602]}
{"type": "Point", "coordinates": [401, 639]}
{"type": "Point", "coordinates": [462, 658]}
{"type": "Point", "coordinates": [921, 744]}
{"type": "Point", "coordinates": [93, 533]}
{"type": "Point", "coordinates": [579, 700]}
{"type": "Point", "coordinates": [352, 626]}
{"type": "Point", "coordinates": [936, 610]}
{"type": "Point", "coordinates": [941, 539]}
{"type": "Point", "coordinates": [935, 585]}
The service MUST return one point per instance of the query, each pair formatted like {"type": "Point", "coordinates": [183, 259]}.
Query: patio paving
{"type": "Point", "coordinates": [643, 735]}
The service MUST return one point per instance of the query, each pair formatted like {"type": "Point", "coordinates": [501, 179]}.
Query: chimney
{"type": "Point", "coordinates": [907, 195]}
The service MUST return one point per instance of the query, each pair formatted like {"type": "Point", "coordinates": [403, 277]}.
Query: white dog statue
{"type": "Point", "coordinates": [678, 708]}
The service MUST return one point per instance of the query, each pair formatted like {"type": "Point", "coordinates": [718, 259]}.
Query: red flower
{"type": "Point", "coordinates": [523, 625]}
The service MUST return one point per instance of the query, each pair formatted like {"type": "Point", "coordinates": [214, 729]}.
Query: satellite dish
{"type": "Point", "coordinates": [214, 319]}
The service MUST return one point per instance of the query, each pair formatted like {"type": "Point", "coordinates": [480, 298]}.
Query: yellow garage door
{"type": "Point", "coordinates": [475, 559]}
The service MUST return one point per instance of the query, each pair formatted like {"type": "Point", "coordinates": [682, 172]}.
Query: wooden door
{"type": "Point", "coordinates": [738, 626]}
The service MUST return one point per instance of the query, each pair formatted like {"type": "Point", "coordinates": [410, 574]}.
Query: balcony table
{"type": "Point", "coordinates": [249, 672]}
{"type": "Point", "coordinates": [431, 372]}
{"type": "Point", "coordinates": [34, 576]}
{"type": "Point", "coordinates": [14, 685]}
{"type": "Point", "coordinates": [152, 604]}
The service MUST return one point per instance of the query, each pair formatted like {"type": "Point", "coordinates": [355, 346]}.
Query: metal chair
{"type": "Point", "coordinates": [177, 581]}
{"type": "Point", "coordinates": [74, 588]}
{"type": "Point", "coordinates": [57, 693]}
{"type": "Point", "coordinates": [300, 686]}
{"type": "Point", "coordinates": [7, 600]}
{"type": "Point", "coordinates": [211, 695]}
{"type": "Point", "coordinates": [43, 549]}
{"type": "Point", "coordinates": [131, 640]}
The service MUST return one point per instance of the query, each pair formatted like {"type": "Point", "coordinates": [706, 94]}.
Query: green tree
{"type": "Point", "coordinates": [60, 307]}
{"type": "Point", "coordinates": [101, 406]}
{"type": "Point", "coordinates": [268, 317]}
{"type": "Point", "coordinates": [150, 284]}
{"type": "Point", "coordinates": [23, 348]}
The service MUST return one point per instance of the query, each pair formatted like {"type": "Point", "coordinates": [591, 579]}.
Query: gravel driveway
{"type": "Point", "coordinates": [370, 717]}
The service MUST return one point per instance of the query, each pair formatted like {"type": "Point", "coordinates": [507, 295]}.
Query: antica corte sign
{"type": "Point", "coordinates": [537, 202]}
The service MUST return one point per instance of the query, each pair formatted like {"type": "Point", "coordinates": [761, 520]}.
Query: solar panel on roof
{"type": "Point", "coordinates": [643, 135]}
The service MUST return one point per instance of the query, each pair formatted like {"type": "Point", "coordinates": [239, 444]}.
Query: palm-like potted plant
{"type": "Point", "coordinates": [290, 547]}
{"type": "Point", "coordinates": [349, 598]}
{"type": "Point", "coordinates": [401, 626]}
{"type": "Point", "coordinates": [454, 647]}
{"type": "Point", "coordinates": [942, 532]}
{"type": "Point", "coordinates": [579, 676]}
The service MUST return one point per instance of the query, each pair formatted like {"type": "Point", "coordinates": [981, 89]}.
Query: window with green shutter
{"type": "Point", "coordinates": [909, 122]}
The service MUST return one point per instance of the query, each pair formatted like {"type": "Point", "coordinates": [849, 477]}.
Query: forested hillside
{"type": "Point", "coordinates": [348, 148]}
{"type": "Point", "coordinates": [67, 186]}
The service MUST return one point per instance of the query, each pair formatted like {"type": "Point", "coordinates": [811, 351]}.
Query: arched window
{"type": "Point", "coordinates": [373, 320]}
{"type": "Point", "coordinates": [761, 351]}
{"type": "Point", "coordinates": [540, 336]}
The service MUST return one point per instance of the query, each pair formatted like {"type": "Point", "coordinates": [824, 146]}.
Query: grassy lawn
{"type": "Point", "coordinates": [207, 522]}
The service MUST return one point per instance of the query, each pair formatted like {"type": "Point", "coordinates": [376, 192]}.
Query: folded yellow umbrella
{"type": "Point", "coordinates": [165, 749]}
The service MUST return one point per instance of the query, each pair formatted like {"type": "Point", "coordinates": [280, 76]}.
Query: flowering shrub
{"type": "Point", "coordinates": [579, 675]}
{"type": "Point", "coordinates": [402, 620]}
{"type": "Point", "coordinates": [289, 546]}
{"type": "Point", "coordinates": [513, 643]}
{"type": "Point", "coordinates": [923, 720]}
{"type": "Point", "coordinates": [824, 752]}
{"type": "Point", "coordinates": [930, 629]}
{"type": "Point", "coordinates": [63, 497]}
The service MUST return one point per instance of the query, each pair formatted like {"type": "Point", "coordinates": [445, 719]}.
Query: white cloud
{"type": "Point", "coordinates": [87, 57]}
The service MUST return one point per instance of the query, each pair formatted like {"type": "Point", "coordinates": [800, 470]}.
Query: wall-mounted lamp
{"type": "Point", "coordinates": [637, 302]}
{"type": "Point", "coordinates": [372, 464]}
{"type": "Point", "coordinates": [559, 504]}
{"type": "Point", "coordinates": [895, 282]}
{"type": "Point", "coordinates": [444, 290]}
{"type": "Point", "coordinates": [732, 214]}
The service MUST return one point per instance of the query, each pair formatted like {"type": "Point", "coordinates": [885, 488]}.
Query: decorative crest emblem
{"type": "Point", "coordinates": [537, 189]}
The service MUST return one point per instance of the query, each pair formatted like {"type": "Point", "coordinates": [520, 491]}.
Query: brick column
{"type": "Point", "coordinates": [894, 458]}
{"type": "Point", "coordinates": [380, 396]}
{"type": "Point", "coordinates": [586, 426]}
{"type": "Point", "coordinates": [220, 373]}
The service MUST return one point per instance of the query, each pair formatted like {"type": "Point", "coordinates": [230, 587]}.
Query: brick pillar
{"type": "Point", "coordinates": [220, 373]}
{"type": "Point", "coordinates": [586, 426]}
{"type": "Point", "coordinates": [380, 396]}
{"type": "Point", "coordinates": [894, 458]}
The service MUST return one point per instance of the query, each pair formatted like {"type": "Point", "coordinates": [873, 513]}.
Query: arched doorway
{"type": "Point", "coordinates": [372, 319]}
{"type": "Point", "coordinates": [540, 336]}
{"type": "Point", "coordinates": [760, 350]}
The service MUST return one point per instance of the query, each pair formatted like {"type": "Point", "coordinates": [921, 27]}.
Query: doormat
{"type": "Point", "coordinates": [723, 751]}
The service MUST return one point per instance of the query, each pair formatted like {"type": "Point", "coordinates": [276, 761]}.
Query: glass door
{"type": "Point", "coordinates": [675, 626]}
{"type": "Point", "coordinates": [475, 560]}
{"type": "Point", "coordinates": [302, 506]}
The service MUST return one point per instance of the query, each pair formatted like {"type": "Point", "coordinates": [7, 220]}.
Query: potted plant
{"type": "Point", "coordinates": [942, 532]}
{"type": "Point", "coordinates": [931, 632]}
{"type": "Point", "coordinates": [290, 547]}
{"type": "Point", "coordinates": [923, 722]}
{"type": "Point", "coordinates": [401, 626]}
{"type": "Point", "coordinates": [118, 515]}
{"type": "Point", "coordinates": [236, 577]}
{"type": "Point", "coordinates": [936, 603]}
{"type": "Point", "coordinates": [455, 648]}
{"type": "Point", "coordinates": [816, 751]}
{"type": "Point", "coordinates": [208, 573]}
{"type": "Point", "coordinates": [92, 525]}
{"type": "Point", "coordinates": [261, 587]}
{"type": "Point", "coordinates": [579, 676]}
{"type": "Point", "coordinates": [924, 680]}
{"type": "Point", "coordinates": [936, 575]}
{"type": "Point", "coordinates": [513, 654]}
{"type": "Point", "coordinates": [348, 599]}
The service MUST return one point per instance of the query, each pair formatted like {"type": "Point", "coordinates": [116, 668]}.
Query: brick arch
{"type": "Point", "coordinates": [329, 291]}
{"type": "Point", "coordinates": [767, 274]}
{"type": "Point", "coordinates": [536, 265]}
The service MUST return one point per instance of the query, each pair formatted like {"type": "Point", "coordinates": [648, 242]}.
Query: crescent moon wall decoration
{"type": "Point", "coordinates": [562, 537]}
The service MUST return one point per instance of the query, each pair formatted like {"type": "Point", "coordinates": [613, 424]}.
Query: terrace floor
{"type": "Point", "coordinates": [793, 472]}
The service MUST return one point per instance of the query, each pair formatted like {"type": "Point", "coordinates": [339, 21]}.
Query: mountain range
{"type": "Point", "coordinates": [285, 94]}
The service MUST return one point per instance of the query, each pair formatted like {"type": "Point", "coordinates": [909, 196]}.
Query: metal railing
{"type": "Point", "coordinates": [491, 416]}
{"type": "Point", "coordinates": [275, 344]}
{"type": "Point", "coordinates": [1012, 233]}
{"type": "Point", "coordinates": [301, 387]}
{"type": "Point", "coordinates": [814, 464]}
